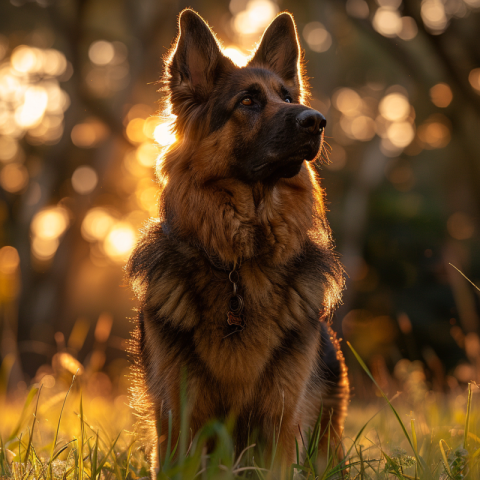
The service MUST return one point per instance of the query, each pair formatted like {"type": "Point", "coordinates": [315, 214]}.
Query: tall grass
{"type": "Point", "coordinates": [73, 436]}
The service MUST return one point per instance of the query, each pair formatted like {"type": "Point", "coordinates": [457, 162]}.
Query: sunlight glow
{"type": "Point", "coordinates": [163, 134]}
{"type": "Point", "coordinates": [33, 108]}
{"type": "Point", "coordinates": [238, 57]}
{"type": "Point", "coordinates": [119, 242]}
{"type": "Point", "coordinates": [147, 154]}
{"type": "Point", "coordinates": [135, 131]}
{"type": "Point", "coordinates": [69, 363]}
{"type": "Point", "coordinates": [147, 196]}
{"type": "Point", "coordinates": [256, 16]}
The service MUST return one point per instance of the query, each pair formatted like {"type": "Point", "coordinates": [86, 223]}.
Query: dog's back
{"type": "Point", "coordinates": [237, 278]}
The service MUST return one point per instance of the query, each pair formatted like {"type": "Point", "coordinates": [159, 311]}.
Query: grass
{"type": "Point", "coordinates": [60, 432]}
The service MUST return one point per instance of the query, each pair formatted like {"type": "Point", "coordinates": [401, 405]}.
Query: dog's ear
{"type": "Point", "coordinates": [279, 50]}
{"type": "Point", "coordinates": [196, 61]}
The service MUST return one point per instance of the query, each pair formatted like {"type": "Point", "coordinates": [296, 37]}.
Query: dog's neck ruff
{"type": "Point", "coordinates": [215, 261]}
{"type": "Point", "coordinates": [235, 316]}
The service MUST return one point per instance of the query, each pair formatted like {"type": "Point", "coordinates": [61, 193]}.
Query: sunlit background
{"type": "Point", "coordinates": [80, 133]}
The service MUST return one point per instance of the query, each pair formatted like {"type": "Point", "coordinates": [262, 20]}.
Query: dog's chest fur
{"type": "Point", "coordinates": [185, 321]}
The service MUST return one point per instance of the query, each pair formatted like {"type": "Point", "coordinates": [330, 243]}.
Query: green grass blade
{"type": "Point", "coordinates": [80, 445]}
{"type": "Point", "coordinates": [444, 456]}
{"type": "Point", "coordinates": [129, 456]}
{"type": "Point", "coordinates": [391, 464]}
{"type": "Point", "coordinates": [415, 443]}
{"type": "Point", "coordinates": [55, 438]}
{"type": "Point", "coordinates": [102, 463]}
{"type": "Point", "coordinates": [4, 468]}
{"type": "Point", "coordinates": [29, 447]}
{"type": "Point", "coordinates": [93, 465]}
{"type": "Point", "coordinates": [61, 450]}
{"type": "Point", "coordinates": [367, 371]}
{"type": "Point", "coordinates": [467, 418]}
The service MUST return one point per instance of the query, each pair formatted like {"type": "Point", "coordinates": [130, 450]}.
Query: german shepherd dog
{"type": "Point", "coordinates": [237, 279]}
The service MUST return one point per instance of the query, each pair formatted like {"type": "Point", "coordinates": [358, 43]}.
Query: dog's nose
{"type": "Point", "coordinates": [311, 121]}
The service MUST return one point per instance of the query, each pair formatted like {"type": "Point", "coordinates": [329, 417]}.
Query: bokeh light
{"type": "Point", "coordinates": [347, 101]}
{"type": "Point", "coordinates": [84, 180]}
{"type": "Point", "coordinates": [31, 112]}
{"type": "Point", "coordinates": [8, 148]}
{"type": "Point", "coordinates": [387, 22]}
{"type": "Point", "coordinates": [13, 177]}
{"type": "Point", "coordinates": [435, 132]}
{"type": "Point", "coordinates": [101, 52]}
{"type": "Point", "coordinates": [147, 154]}
{"type": "Point", "coordinates": [400, 134]}
{"type": "Point", "coordinates": [135, 131]}
{"type": "Point", "coordinates": [254, 16]}
{"type": "Point", "coordinates": [89, 133]}
{"type": "Point", "coordinates": [96, 224]}
{"type": "Point", "coordinates": [409, 29]}
{"type": "Point", "coordinates": [44, 248]}
{"type": "Point", "coordinates": [32, 101]}
{"type": "Point", "coordinates": [394, 107]}
{"type": "Point", "coordinates": [9, 260]}
{"type": "Point", "coordinates": [434, 16]}
{"type": "Point", "coordinates": [460, 226]}
{"type": "Point", "coordinates": [474, 79]}
{"type": "Point", "coordinates": [357, 8]}
{"type": "Point", "coordinates": [47, 227]}
{"type": "Point", "coordinates": [317, 37]}
{"type": "Point", "coordinates": [119, 242]}
{"type": "Point", "coordinates": [109, 70]}
{"type": "Point", "coordinates": [441, 95]}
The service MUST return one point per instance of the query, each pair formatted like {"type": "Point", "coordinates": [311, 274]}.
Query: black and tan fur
{"type": "Point", "coordinates": [238, 193]}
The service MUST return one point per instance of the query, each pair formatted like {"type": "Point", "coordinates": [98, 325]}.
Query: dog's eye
{"type": "Point", "coordinates": [288, 100]}
{"type": "Point", "coordinates": [247, 101]}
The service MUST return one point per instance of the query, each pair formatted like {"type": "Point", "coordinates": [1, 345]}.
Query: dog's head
{"type": "Point", "coordinates": [254, 115]}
